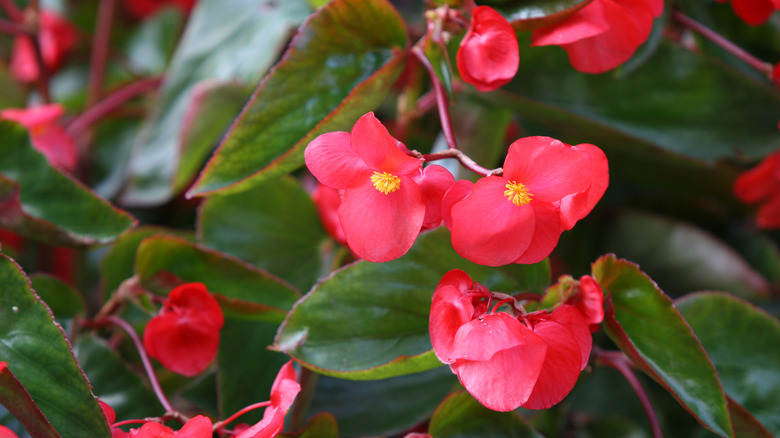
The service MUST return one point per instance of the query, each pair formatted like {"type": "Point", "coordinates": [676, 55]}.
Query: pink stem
{"type": "Point", "coordinates": [464, 160]}
{"type": "Point", "coordinates": [97, 67]}
{"type": "Point", "coordinates": [111, 103]}
{"type": "Point", "coordinates": [727, 45]}
{"type": "Point", "coordinates": [228, 420]}
{"type": "Point", "coordinates": [441, 98]}
{"type": "Point", "coordinates": [620, 362]}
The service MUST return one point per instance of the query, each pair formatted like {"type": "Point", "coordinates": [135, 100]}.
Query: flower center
{"type": "Point", "coordinates": [385, 182]}
{"type": "Point", "coordinates": [517, 193]}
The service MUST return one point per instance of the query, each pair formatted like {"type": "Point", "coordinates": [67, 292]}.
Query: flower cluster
{"type": "Point", "coordinates": [184, 336]}
{"type": "Point", "coordinates": [762, 184]}
{"type": "Point", "coordinates": [46, 134]}
{"type": "Point", "coordinates": [56, 37]}
{"type": "Point", "coordinates": [507, 360]}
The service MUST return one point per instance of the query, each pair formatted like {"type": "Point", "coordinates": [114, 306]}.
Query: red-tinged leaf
{"type": "Point", "coordinates": [339, 66]}
{"type": "Point", "coordinates": [163, 262]}
{"type": "Point", "coordinates": [745, 424]}
{"type": "Point", "coordinates": [742, 341]}
{"type": "Point", "coordinates": [43, 204]}
{"type": "Point", "coordinates": [34, 348]}
{"type": "Point", "coordinates": [645, 325]}
{"type": "Point", "coordinates": [18, 401]}
{"type": "Point", "coordinates": [320, 426]}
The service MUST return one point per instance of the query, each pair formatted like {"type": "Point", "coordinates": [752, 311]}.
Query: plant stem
{"type": "Point", "coordinates": [220, 424]}
{"type": "Point", "coordinates": [97, 66]}
{"type": "Point", "coordinates": [111, 103]}
{"type": "Point", "coordinates": [621, 363]}
{"type": "Point", "coordinates": [12, 28]}
{"type": "Point", "coordinates": [722, 42]}
{"type": "Point", "coordinates": [124, 325]}
{"type": "Point", "coordinates": [441, 98]}
{"type": "Point", "coordinates": [464, 160]}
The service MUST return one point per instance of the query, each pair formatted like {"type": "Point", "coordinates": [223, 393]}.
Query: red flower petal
{"type": "Point", "coordinates": [488, 56]}
{"type": "Point", "coordinates": [7, 433]}
{"type": "Point", "coordinates": [589, 301]}
{"type": "Point", "coordinates": [434, 183]}
{"type": "Point", "coordinates": [327, 200]}
{"type": "Point", "coordinates": [547, 231]}
{"type": "Point", "coordinates": [753, 12]}
{"type": "Point", "coordinates": [769, 213]}
{"type": "Point", "coordinates": [576, 206]}
{"type": "Point", "coordinates": [585, 23]}
{"type": "Point", "coordinates": [379, 150]}
{"type": "Point", "coordinates": [481, 338]}
{"type": "Point", "coordinates": [759, 182]}
{"type": "Point", "coordinates": [332, 161]}
{"type": "Point", "coordinates": [449, 311]}
{"type": "Point", "coordinates": [56, 37]}
{"type": "Point", "coordinates": [378, 226]}
{"type": "Point", "coordinates": [196, 427]}
{"type": "Point", "coordinates": [283, 392]}
{"type": "Point", "coordinates": [46, 135]}
{"type": "Point", "coordinates": [184, 337]}
{"type": "Point", "coordinates": [455, 194]}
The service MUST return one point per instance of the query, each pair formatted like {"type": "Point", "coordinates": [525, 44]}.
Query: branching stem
{"type": "Point", "coordinates": [441, 98]}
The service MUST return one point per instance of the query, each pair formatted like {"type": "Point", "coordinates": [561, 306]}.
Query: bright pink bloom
{"type": "Point", "coordinates": [546, 187]}
{"type": "Point", "coordinates": [589, 300]}
{"type": "Point", "coordinates": [603, 34]}
{"type": "Point", "coordinates": [327, 200]}
{"type": "Point", "coordinates": [196, 427]}
{"type": "Point", "coordinates": [46, 134]}
{"type": "Point", "coordinates": [506, 361]}
{"type": "Point", "coordinates": [56, 37]}
{"type": "Point", "coordinates": [108, 411]}
{"type": "Point", "coordinates": [7, 433]}
{"type": "Point", "coordinates": [184, 336]}
{"type": "Point", "coordinates": [488, 55]}
{"type": "Point", "coordinates": [754, 12]}
{"type": "Point", "coordinates": [383, 204]}
{"type": "Point", "coordinates": [762, 184]}
{"type": "Point", "coordinates": [145, 8]}
{"type": "Point", "coordinates": [283, 393]}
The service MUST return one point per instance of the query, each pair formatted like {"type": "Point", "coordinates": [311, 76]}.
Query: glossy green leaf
{"type": "Point", "coordinates": [339, 66]}
{"type": "Point", "coordinates": [533, 14]}
{"type": "Point", "coordinates": [36, 351]}
{"type": "Point", "coordinates": [221, 42]}
{"type": "Point", "coordinates": [321, 426]}
{"type": "Point", "coordinates": [681, 257]}
{"type": "Point", "coordinates": [382, 407]}
{"type": "Point", "coordinates": [63, 301]}
{"type": "Point", "coordinates": [742, 341]}
{"type": "Point", "coordinates": [163, 262]}
{"type": "Point", "coordinates": [113, 382]}
{"type": "Point", "coordinates": [43, 204]}
{"type": "Point", "coordinates": [150, 47]}
{"type": "Point", "coordinates": [18, 401]}
{"type": "Point", "coordinates": [274, 226]}
{"type": "Point", "coordinates": [370, 320]}
{"type": "Point", "coordinates": [644, 323]}
{"type": "Point", "coordinates": [461, 416]}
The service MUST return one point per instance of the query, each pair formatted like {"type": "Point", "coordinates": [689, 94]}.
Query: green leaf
{"type": "Point", "coordinates": [321, 426]}
{"type": "Point", "coordinates": [220, 42]}
{"type": "Point", "coordinates": [681, 257]}
{"type": "Point", "coordinates": [113, 382]}
{"type": "Point", "coordinates": [151, 45]}
{"type": "Point", "coordinates": [370, 320]}
{"type": "Point", "coordinates": [36, 351]}
{"type": "Point", "coordinates": [273, 225]}
{"type": "Point", "coordinates": [64, 302]}
{"type": "Point", "coordinates": [533, 14]}
{"type": "Point", "coordinates": [18, 401]}
{"type": "Point", "coordinates": [644, 323]}
{"type": "Point", "coordinates": [43, 204]}
{"type": "Point", "coordinates": [382, 407]}
{"type": "Point", "coordinates": [460, 415]}
{"type": "Point", "coordinates": [163, 262]}
{"type": "Point", "coordinates": [745, 424]}
{"type": "Point", "coordinates": [742, 342]}
{"type": "Point", "coordinates": [339, 66]}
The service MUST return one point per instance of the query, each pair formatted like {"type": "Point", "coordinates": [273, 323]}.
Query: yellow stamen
{"type": "Point", "coordinates": [517, 193]}
{"type": "Point", "coordinates": [386, 182]}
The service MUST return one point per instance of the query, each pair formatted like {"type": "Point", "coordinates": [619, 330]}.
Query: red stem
{"type": "Point", "coordinates": [621, 363]}
{"type": "Point", "coordinates": [100, 43]}
{"type": "Point", "coordinates": [124, 325]}
{"type": "Point", "coordinates": [111, 103]}
{"type": "Point", "coordinates": [464, 160]}
{"type": "Point", "coordinates": [441, 98]}
{"type": "Point", "coordinates": [12, 28]}
{"type": "Point", "coordinates": [228, 420]}
{"type": "Point", "coordinates": [725, 44]}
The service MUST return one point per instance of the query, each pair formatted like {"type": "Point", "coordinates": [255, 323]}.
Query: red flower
{"type": "Point", "coordinates": [589, 300]}
{"type": "Point", "coordinates": [145, 8]}
{"type": "Point", "coordinates": [184, 336]}
{"type": "Point", "coordinates": [488, 55]}
{"type": "Point", "coordinates": [506, 361]}
{"type": "Point", "coordinates": [518, 217]}
{"type": "Point", "coordinates": [46, 134]}
{"type": "Point", "coordinates": [383, 206]}
{"type": "Point", "coordinates": [108, 411]}
{"type": "Point", "coordinates": [754, 12]}
{"type": "Point", "coordinates": [283, 393]}
{"type": "Point", "coordinates": [327, 200]}
{"type": "Point", "coordinates": [603, 34]}
{"type": "Point", "coordinates": [56, 37]}
{"type": "Point", "coordinates": [762, 184]}
{"type": "Point", "coordinates": [7, 433]}
{"type": "Point", "coordinates": [196, 427]}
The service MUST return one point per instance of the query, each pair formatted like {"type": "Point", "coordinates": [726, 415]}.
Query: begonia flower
{"type": "Point", "coordinates": [327, 200]}
{"type": "Point", "coordinates": [506, 360]}
{"type": "Point", "coordinates": [110, 415]}
{"type": "Point", "coordinates": [518, 217]}
{"type": "Point", "coordinates": [7, 433]}
{"type": "Point", "coordinates": [283, 392]}
{"type": "Point", "coordinates": [196, 427]}
{"type": "Point", "coordinates": [488, 56]}
{"type": "Point", "coordinates": [761, 184]}
{"type": "Point", "coordinates": [383, 205]}
{"type": "Point", "coordinates": [145, 8]}
{"type": "Point", "coordinates": [754, 12]}
{"type": "Point", "coordinates": [589, 300]}
{"type": "Point", "coordinates": [603, 34]}
{"type": "Point", "coordinates": [184, 336]}
{"type": "Point", "coordinates": [56, 37]}
{"type": "Point", "coordinates": [46, 134]}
